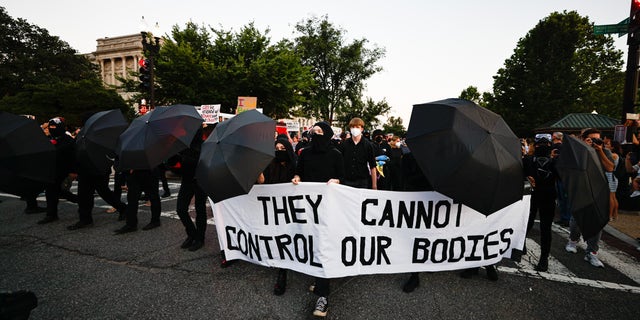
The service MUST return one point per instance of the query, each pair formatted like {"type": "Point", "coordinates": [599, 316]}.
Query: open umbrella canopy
{"type": "Point", "coordinates": [27, 160]}
{"type": "Point", "coordinates": [157, 135]}
{"type": "Point", "coordinates": [235, 154]}
{"type": "Point", "coordinates": [96, 142]}
{"type": "Point", "coordinates": [468, 153]}
{"type": "Point", "coordinates": [587, 188]}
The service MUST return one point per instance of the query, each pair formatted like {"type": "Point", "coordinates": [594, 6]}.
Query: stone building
{"type": "Point", "coordinates": [117, 56]}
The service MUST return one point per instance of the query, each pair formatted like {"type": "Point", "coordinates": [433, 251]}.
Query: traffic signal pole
{"type": "Point", "coordinates": [631, 77]}
{"type": "Point", "coordinates": [630, 83]}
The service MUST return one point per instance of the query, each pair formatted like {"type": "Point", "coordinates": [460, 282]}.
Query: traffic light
{"type": "Point", "coordinates": [634, 24]}
{"type": "Point", "coordinates": [145, 75]}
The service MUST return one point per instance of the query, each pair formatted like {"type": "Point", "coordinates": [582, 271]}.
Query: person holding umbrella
{"type": "Point", "coordinates": [190, 189]}
{"type": "Point", "coordinates": [138, 181]}
{"type": "Point", "coordinates": [93, 174]}
{"type": "Point", "coordinates": [65, 166]}
{"type": "Point", "coordinates": [592, 138]}
{"type": "Point", "coordinates": [320, 162]}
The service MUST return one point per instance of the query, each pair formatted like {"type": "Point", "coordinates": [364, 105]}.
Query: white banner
{"type": "Point", "coordinates": [334, 231]}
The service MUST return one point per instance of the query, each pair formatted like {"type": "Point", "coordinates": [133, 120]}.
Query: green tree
{"type": "Point", "coordinates": [199, 65]}
{"type": "Point", "coordinates": [394, 125]}
{"type": "Point", "coordinates": [368, 111]}
{"type": "Point", "coordinates": [339, 69]}
{"type": "Point", "coordinates": [73, 100]}
{"type": "Point", "coordinates": [559, 67]}
{"type": "Point", "coordinates": [42, 75]}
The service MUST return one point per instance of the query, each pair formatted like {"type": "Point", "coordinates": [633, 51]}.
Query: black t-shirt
{"type": "Point", "coordinates": [358, 159]}
{"type": "Point", "coordinates": [320, 166]}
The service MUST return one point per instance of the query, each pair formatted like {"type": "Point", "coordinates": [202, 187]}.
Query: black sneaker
{"type": "Point", "coordinates": [151, 225]}
{"type": "Point", "coordinates": [187, 243]}
{"type": "Point", "coordinates": [197, 244]}
{"type": "Point", "coordinates": [125, 229]}
{"type": "Point", "coordinates": [48, 219]}
{"type": "Point", "coordinates": [281, 284]}
{"type": "Point", "coordinates": [35, 210]}
{"type": "Point", "coordinates": [166, 194]}
{"type": "Point", "coordinates": [543, 265]}
{"type": "Point", "coordinates": [80, 225]}
{"type": "Point", "coordinates": [412, 283]}
{"type": "Point", "coordinates": [322, 306]}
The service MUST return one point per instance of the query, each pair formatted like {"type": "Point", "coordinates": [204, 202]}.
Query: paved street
{"type": "Point", "coordinates": [93, 274]}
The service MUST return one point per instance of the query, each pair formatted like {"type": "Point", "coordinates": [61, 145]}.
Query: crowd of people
{"type": "Point", "coordinates": [620, 166]}
{"type": "Point", "coordinates": [356, 158]}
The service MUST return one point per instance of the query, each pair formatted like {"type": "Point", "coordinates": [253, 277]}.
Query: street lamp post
{"type": "Point", "coordinates": [151, 48]}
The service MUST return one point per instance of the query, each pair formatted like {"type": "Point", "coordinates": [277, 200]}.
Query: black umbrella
{"type": "Point", "coordinates": [235, 153]}
{"type": "Point", "coordinates": [468, 153]}
{"type": "Point", "coordinates": [157, 135]}
{"type": "Point", "coordinates": [27, 159]}
{"type": "Point", "coordinates": [97, 140]}
{"type": "Point", "coordinates": [582, 175]}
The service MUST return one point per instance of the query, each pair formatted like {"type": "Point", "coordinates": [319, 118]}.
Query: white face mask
{"type": "Point", "coordinates": [355, 132]}
{"type": "Point", "coordinates": [398, 144]}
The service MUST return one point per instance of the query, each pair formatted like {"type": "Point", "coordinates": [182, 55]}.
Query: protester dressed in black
{"type": "Point", "coordinates": [189, 189]}
{"type": "Point", "coordinates": [358, 155]}
{"type": "Point", "coordinates": [65, 165]}
{"type": "Point", "coordinates": [137, 182]}
{"type": "Point", "coordinates": [91, 180]}
{"type": "Point", "coordinates": [541, 173]}
{"type": "Point", "coordinates": [320, 162]}
{"type": "Point", "coordinates": [280, 170]}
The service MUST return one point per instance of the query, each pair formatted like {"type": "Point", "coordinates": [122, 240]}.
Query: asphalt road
{"type": "Point", "coordinates": [93, 274]}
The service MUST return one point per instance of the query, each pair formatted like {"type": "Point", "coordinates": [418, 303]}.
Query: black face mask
{"type": "Point", "coordinates": [282, 156]}
{"type": "Point", "coordinates": [320, 143]}
{"type": "Point", "coordinates": [379, 139]}
{"type": "Point", "coordinates": [542, 151]}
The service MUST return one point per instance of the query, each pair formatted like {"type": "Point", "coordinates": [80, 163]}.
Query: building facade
{"type": "Point", "coordinates": [116, 57]}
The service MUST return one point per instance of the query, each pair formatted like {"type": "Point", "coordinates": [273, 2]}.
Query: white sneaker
{"type": "Point", "coordinates": [321, 307]}
{"type": "Point", "coordinates": [571, 246]}
{"type": "Point", "coordinates": [593, 259]}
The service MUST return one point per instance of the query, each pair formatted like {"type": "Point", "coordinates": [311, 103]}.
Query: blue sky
{"type": "Point", "coordinates": [434, 49]}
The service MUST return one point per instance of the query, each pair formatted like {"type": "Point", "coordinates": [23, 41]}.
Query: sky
{"type": "Point", "coordinates": [434, 49]}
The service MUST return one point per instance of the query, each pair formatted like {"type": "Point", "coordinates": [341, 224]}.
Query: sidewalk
{"type": "Point", "coordinates": [626, 229]}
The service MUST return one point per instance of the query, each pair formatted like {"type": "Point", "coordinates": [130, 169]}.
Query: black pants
{"type": "Point", "coordinates": [188, 189]}
{"type": "Point", "coordinates": [161, 171]}
{"type": "Point", "coordinates": [545, 204]}
{"type": "Point", "coordinates": [119, 180]}
{"type": "Point", "coordinates": [138, 181]}
{"type": "Point", "coordinates": [52, 194]}
{"type": "Point", "coordinates": [88, 184]}
{"type": "Point", "coordinates": [322, 287]}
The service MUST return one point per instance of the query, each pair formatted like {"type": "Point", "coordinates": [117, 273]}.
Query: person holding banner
{"type": "Point", "coordinates": [320, 162]}
{"type": "Point", "coordinates": [359, 156]}
{"type": "Point", "coordinates": [280, 170]}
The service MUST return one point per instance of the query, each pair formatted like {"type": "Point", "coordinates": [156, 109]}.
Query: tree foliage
{"type": "Point", "coordinates": [339, 69]}
{"type": "Point", "coordinates": [394, 125]}
{"type": "Point", "coordinates": [200, 66]}
{"type": "Point", "coordinates": [368, 111]}
{"type": "Point", "coordinates": [559, 67]}
{"type": "Point", "coordinates": [42, 75]}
